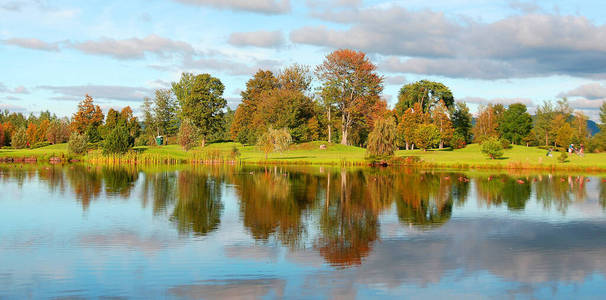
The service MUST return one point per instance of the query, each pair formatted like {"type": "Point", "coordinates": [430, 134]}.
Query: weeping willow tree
{"type": "Point", "coordinates": [382, 140]}
{"type": "Point", "coordinates": [275, 140]}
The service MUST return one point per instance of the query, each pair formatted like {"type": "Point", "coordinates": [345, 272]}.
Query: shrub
{"type": "Point", "coordinates": [188, 134]}
{"type": "Point", "coordinates": [143, 141]}
{"type": "Point", "coordinates": [235, 153]}
{"type": "Point", "coordinates": [457, 141]}
{"type": "Point", "coordinates": [274, 140]}
{"type": "Point", "coordinates": [563, 157]}
{"type": "Point", "coordinates": [117, 141]}
{"type": "Point", "coordinates": [78, 143]}
{"type": "Point", "coordinates": [19, 139]}
{"type": "Point", "coordinates": [492, 147]}
{"type": "Point", "coordinates": [505, 143]}
{"type": "Point", "coordinates": [382, 140]}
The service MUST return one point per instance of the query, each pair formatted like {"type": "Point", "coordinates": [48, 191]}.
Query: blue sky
{"type": "Point", "coordinates": [486, 51]}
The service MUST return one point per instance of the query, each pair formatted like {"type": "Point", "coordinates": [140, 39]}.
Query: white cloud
{"type": "Point", "coordinates": [109, 92]}
{"type": "Point", "coordinates": [134, 47]}
{"type": "Point", "coordinates": [262, 38]}
{"type": "Point", "coordinates": [32, 43]}
{"type": "Point", "coordinates": [269, 7]}
{"type": "Point", "coordinates": [591, 91]}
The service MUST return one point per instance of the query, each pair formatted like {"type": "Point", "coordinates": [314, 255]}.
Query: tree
{"type": "Point", "coordinates": [382, 140]}
{"type": "Point", "coordinates": [165, 112]}
{"type": "Point", "coordinates": [274, 140]}
{"type": "Point", "coordinates": [492, 147]}
{"type": "Point", "coordinates": [57, 132]}
{"type": "Point", "coordinates": [201, 100]}
{"type": "Point", "coordinates": [88, 115]}
{"type": "Point", "coordinates": [19, 139]}
{"type": "Point", "coordinates": [117, 141]}
{"type": "Point", "coordinates": [427, 93]}
{"type": "Point", "coordinates": [427, 136]}
{"type": "Point", "coordinates": [603, 116]}
{"type": "Point", "coordinates": [352, 76]}
{"type": "Point", "coordinates": [242, 129]}
{"type": "Point", "coordinates": [150, 123]}
{"type": "Point", "coordinates": [188, 134]}
{"type": "Point", "coordinates": [543, 122]}
{"type": "Point", "coordinates": [442, 121]}
{"type": "Point", "coordinates": [564, 135]}
{"type": "Point", "coordinates": [462, 121]}
{"type": "Point", "coordinates": [78, 143]}
{"type": "Point", "coordinates": [409, 122]}
{"type": "Point", "coordinates": [516, 123]}
{"type": "Point", "coordinates": [486, 124]}
{"type": "Point", "coordinates": [31, 133]}
{"type": "Point", "coordinates": [581, 134]}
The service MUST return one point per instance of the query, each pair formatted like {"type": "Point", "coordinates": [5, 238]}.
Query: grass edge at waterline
{"type": "Point", "coordinates": [470, 157]}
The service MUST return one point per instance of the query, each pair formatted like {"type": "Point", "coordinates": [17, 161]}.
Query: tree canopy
{"type": "Point", "coordinates": [427, 93]}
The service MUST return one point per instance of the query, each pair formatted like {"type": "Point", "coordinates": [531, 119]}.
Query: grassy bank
{"type": "Point", "coordinates": [519, 157]}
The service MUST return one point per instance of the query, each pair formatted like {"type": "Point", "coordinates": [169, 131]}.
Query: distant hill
{"type": "Point", "coordinates": [593, 127]}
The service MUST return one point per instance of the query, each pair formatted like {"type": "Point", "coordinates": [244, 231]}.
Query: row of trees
{"type": "Point", "coordinates": [345, 107]}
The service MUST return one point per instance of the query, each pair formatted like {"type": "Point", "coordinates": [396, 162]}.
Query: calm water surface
{"type": "Point", "coordinates": [221, 232]}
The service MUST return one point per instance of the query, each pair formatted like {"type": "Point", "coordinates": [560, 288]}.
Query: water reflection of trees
{"type": "Point", "coordinates": [161, 188]}
{"type": "Point", "coordinates": [86, 183]}
{"type": "Point", "coordinates": [272, 202]}
{"type": "Point", "coordinates": [199, 207]}
{"type": "Point", "coordinates": [502, 189]}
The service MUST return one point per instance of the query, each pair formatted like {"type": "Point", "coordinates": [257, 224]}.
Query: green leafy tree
{"type": "Point", "coordinates": [427, 136]}
{"type": "Point", "coordinates": [462, 121]}
{"type": "Point", "coordinates": [492, 147]}
{"type": "Point", "coordinates": [188, 134]}
{"type": "Point", "coordinates": [78, 143]}
{"type": "Point", "coordinates": [516, 123]}
{"type": "Point", "coordinates": [201, 100]}
{"type": "Point", "coordinates": [581, 134]}
{"type": "Point", "coordinates": [543, 122]}
{"type": "Point", "coordinates": [117, 141]}
{"type": "Point", "coordinates": [427, 93]}
{"type": "Point", "coordinates": [564, 135]}
{"type": "Point", "coordinates": [383, 139]}
{"type": "Point", "coordinates": [19, 139]}
{"type": "Point", "coordinates": [165, 110]}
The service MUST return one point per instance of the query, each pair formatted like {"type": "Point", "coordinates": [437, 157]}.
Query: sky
{"type": "Point", "coordinates": [52, 53]}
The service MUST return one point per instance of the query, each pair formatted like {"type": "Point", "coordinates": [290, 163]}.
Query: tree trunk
{"type": "Point", "coordinates": [344, 130]}
{"type": "Point", "coordinates": [441, 144]}
{"type": "Point", "coordinates": [406, 145]}
{"type": "Point", "coordinates": [329, 127]}
{"type": "Point", "coordinates": [203, 142]}
{"type": "Point", "coordinates": [413, 146]}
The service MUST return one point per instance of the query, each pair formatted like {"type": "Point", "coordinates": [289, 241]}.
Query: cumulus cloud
{"type": "Point", "coordinates": [262, 38]}
{"type": "Point", "coordinates": [134, 47]}
{"type": "Point", "coordinates": [12, 107]}
{"type": "Point", "coordinates": [32, 43]}
{"type": "Point", "coordinates": [109, 92]}
{"type": "Point", "coordinates": [228, 65]}
{"type": "Point", "coordinates": [505, 101]}
{"type": "Point", "coordinates": [591, 91]}
{"type": "Point", "coordinates": [525, 45]}
{"type": "Point", "coordinates": [269, 7]}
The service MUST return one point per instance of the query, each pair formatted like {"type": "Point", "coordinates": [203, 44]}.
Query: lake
{"type": "Point", "coordinates": [219, 232]}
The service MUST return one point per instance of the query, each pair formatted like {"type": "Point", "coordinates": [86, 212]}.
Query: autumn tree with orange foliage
{"type": "Point", "coordinates": [89, 116]}
{"type": "Point", "coordinates": [357, 85]}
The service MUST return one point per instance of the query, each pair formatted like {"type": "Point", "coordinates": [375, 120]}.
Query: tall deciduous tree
{"type": "Point", "coordinates": [516, 123]}
{"type": "Point", "coordinates": [579, 124]}
{"type": "Point", "coordinates": [462, 121]}
{"type": "Point", "coordinates": [201, 100]}
{"type": "Point", "coordinates": [442, 121]}
{"type": "Point", "coordinates": [242, 129]}
{"type": "Point", "coordinates": [427, 93]}
{"type": "Point", "coordinates": [165, 110]}
{"type": "Point", "coordinates": [542, 125]}
{"type": "Point", "coordinates": [487, 124]}
{"type": "Point", "coordinates": [356, 82]}
{"type": "Point", "coordinates": [88, 115]}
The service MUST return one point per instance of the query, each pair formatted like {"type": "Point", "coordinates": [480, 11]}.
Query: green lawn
{"type": "Point", "coordinates": [310, 153]}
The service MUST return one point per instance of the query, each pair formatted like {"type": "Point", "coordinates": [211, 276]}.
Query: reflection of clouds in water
{"type": "Point", "coordinates": [127, 240]}
{"type": "Point", "coordinates": [253, 252]}
{"type": "Point", "coordinates": [517, 251]}
{"type": "Point", "coordinates": [232, 289]}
